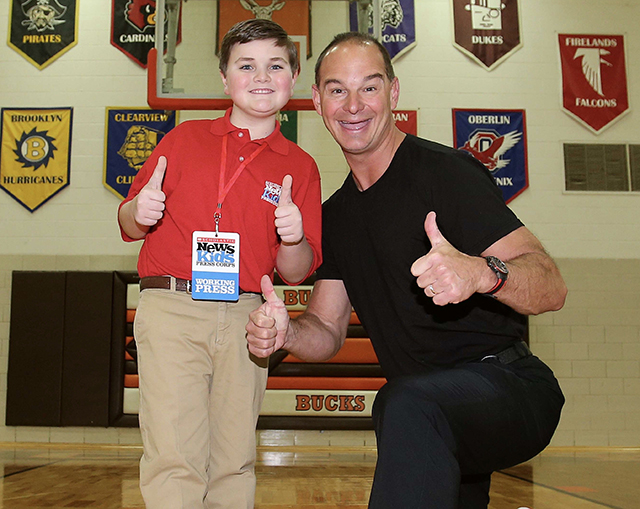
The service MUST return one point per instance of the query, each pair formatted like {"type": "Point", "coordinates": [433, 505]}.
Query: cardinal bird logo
{"type": "Point", "coordinates": [488, 147]}
{"type": "Point", "coordinates": [141, 14]}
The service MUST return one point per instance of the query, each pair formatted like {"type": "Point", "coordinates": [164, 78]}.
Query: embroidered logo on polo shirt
{"type": "Point", "coordinates": [271, 192]}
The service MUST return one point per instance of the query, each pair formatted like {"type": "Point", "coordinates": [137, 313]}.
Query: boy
{"type": "Point", "coordinates": [200, 388]}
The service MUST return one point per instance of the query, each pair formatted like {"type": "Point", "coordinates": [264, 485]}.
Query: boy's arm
{"type": "Point", "coordinates": [137, 216]}
{"type": "Point", "coordinates": [295, 256]}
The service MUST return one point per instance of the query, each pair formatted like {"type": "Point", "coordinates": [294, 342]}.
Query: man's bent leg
{"type": "Point", "coordinates": [471, 420]}
{"type": "Point", "coordinates": [416, 467]}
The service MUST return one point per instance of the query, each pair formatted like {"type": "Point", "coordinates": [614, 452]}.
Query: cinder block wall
{"type": "Point", "coordinates": [593, 344]}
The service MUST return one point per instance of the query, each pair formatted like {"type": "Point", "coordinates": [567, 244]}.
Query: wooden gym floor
{"type": "Point", "coordinates": [38, 476]}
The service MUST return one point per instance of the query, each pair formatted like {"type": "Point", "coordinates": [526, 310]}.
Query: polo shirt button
{"type": "Point", "coordinates": [240, 135]}
{"type": "Point", "coordinates": [241, 158]}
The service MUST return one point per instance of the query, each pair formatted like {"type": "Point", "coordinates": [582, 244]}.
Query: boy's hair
{"type": "Point", "coordinates": [356, 38]}
{"type": "Point", "coordinates": [257, 30]}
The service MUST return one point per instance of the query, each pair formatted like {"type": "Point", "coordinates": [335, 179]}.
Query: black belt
{"type": "Point", "coordinates": [164, 283]}
{"type": "Point", "coordinates": [516, 351]}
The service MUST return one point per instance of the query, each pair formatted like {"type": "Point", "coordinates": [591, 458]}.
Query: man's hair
{"type": "Point", "coordinates": [257, 30]}
{"type": "Point", "coordinates": [357, 38]}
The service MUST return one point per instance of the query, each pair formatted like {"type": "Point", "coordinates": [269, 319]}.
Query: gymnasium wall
{"type": "Point", "coordinates": [593, 344]}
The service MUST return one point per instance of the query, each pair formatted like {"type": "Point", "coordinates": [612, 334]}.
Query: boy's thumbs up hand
{"type": "Point", "coordinates": [446, 275]}
{"type": "Point", "coordinates": [149, 207]}
{"type": "Point", "coordinates": [288, 217]}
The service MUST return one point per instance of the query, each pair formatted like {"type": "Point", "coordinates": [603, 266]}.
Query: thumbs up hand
{"type": "Point", "coordinates": [268, 325]}
{"type": "Point", "coordinates": [149, 206]}
{"type": "Point", "coordinates": [446, 275]}
{"type": "Point", "coordinates": [288, 217]}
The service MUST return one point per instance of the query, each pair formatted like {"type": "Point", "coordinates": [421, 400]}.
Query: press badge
{"type": "Point", "coordinates": [215, 266]}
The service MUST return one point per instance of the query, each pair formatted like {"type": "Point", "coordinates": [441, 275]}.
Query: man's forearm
{"type": "Point", "coordinates": [534, 285]}
{"type": "Point", "coordinates": [311, 340]}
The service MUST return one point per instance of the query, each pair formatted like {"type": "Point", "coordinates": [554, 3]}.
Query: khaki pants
{"type": "Point", "coordinates": [200, 395]}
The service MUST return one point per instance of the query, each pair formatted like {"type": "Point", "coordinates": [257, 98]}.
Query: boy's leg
{"type": "Point", "coordinates": [172, 335]}
{"type": "Point", "coordinates": [239, 382]}
{"type": "Point", "coordinates": [473, 420]}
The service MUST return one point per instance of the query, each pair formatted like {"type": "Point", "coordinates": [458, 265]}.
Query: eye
{"type": "Point", "coordinates": [277, 67]}
{"type": "Point", "coordinates": [246, 67]}
{"type": "Point", "coordinates": [370, 89]}
{"type": "Point", "coordinates": [336, 91]}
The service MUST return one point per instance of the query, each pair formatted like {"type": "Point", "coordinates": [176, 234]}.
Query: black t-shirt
{"type": "Point", "coordinates": [371, 239]}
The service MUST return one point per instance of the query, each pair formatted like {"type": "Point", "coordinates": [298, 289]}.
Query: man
{"type": "Point", "coordinates": [440, 272]}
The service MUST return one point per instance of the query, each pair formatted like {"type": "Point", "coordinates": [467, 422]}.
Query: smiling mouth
{"type": "Point", "coordinates": [354, 126]}
{"type": "Point", "coordinates": [262, 91]}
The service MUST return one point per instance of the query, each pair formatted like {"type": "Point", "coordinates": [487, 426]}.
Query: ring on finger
{"type": "Point", "coordinates": [430, 287]}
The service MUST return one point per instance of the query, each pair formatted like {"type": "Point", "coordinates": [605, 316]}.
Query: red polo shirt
{"type": "Point", "coordinates": [193, 150]}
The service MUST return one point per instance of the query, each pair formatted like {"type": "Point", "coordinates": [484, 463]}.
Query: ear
{"type": "Point", "coordinates": [224, 82]}
{"type": "Point", "coordinates": [315, 96]}
{"type": "Point", "coordinates": [395, 92]}
{"type": "Point", "coordinates": [295, 78]}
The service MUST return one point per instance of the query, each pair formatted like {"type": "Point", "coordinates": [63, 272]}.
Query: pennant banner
{"type": "Point", "coordinates": [133, 25]}
{"type": "Point", "coordinates": [594, 79]}
{"type": "Point", "coordinates": [498, 139]}
{"type": "Point", "coordinates": [406, 121]}
{"type": "Point", "coordinates": [398, 24]}
{"type": "Point", "coordinates": [487, 31]}
{"type": "Point", "coordinates": [293, 16]}
{"type": "Point", "coordinates": [130, 137]}
{"type": "Point", "coordinates": [43, 30]}
{"type": "Point", "coordinates": [35, 153]}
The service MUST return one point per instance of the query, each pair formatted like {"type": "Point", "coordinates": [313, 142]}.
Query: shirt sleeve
{"type": "Point", "coordinates": [308, 198]}
{"type": "Point", "coordinates": [144, 174]}
{"type": "Point", "coordinates": [474, 214]}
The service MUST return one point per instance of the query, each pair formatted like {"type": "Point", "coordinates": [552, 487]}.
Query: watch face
{"type": "Point", "coordinates": [497, 264]}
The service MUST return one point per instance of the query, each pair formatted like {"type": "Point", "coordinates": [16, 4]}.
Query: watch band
{"type": "Point", "coordinates": [501, 271]}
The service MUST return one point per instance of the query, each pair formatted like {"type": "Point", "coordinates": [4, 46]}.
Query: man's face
{"type": "Point", "coordinates": [355, 97]}
{"type": "Point", "coordinates": [259, 78]}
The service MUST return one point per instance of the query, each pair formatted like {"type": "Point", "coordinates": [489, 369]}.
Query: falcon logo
{"type": "Point", "coordinates": [141, 14]}
{"type": "Point", "coordinates": [42, 14]}
{"type": "Point", "coordinates": [34, 149]}
{"type": "Point", "coordinates": [592, 61]}
{"type": "Point", "coordinates": [488, 147]}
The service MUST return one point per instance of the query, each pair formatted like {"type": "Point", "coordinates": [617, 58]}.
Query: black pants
{"type": "Point", "coordinates": [440, 435]}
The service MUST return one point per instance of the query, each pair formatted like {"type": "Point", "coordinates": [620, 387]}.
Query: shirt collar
{"type": "Point", "coordinates": [276, 140]}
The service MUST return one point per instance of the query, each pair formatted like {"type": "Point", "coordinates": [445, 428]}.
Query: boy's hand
{"type": "Point", "coordinates": [149, 206]}
{"type": "Point", "coordinates": [288, 217]}
{"type": "Point", "coordinates": [267, 326]}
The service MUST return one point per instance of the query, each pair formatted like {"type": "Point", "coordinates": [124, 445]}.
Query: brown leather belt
{"type": "Point", "coordinates": [164, 283]}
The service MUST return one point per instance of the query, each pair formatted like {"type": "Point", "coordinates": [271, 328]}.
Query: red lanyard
{"type": "Point", "coordinates": [223, 189]}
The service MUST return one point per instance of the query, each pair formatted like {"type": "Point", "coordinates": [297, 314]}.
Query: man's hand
{"type": "Point", "coordinates": [447, 275]}
{"type": "Point", "coordinates": [149, 203]}
{"type": "Point", "coordinates": [288, 217]}
{"type": "Point", "coordinates": [268, 325]}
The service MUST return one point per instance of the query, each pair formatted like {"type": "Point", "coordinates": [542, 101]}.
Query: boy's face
{"type": "Point", "coordinates": [259, 78]}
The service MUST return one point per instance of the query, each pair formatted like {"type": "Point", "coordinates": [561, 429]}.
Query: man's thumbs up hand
{"type": "Point", "coordinates": [288, 217]}
{"type": "Point", "coordinates": [149, 207]}
{"type": "Point", "coordinates": [446, 275]}
{"type": "Point", "coordinates": [267, 326]}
